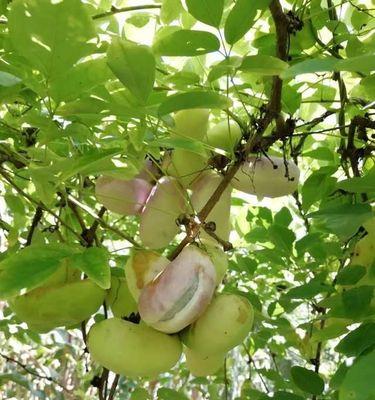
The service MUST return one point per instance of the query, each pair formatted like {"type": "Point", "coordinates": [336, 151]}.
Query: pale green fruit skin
{"type": "Point", "coordinates": [132, 350]}
{"type": "Point", "coordinates": [64, 274]}
{"type": "Point", "coordinates": [257, 176]}
{"type": "Point", "coordinates": [141, 268]}
{"type": "Point", "coordinates": [370, 226]}
{"type": "Point", "coordinates": [158, 220]}
{"type": "Point", "coordinates": [185, 165]}
{"type": "Point", "coordinates": [203, 365]}
{"type": "Point", "coordinates": [364, 255]}
{"type": "Point", "coordinates": [191, 123]}
{"type": "Point", "coordinates": [218, 258]}
{"type": "Point", "coordinates": [46, 308]}
{"type": "Point", "coordinates": [224, 136]}
{"type": "Point", "coordinates": [203, 189]}
{"type": "Point", "coordinates": [224, 325]}
{"type": "Point", "coordinates": [119, 298]}
{"type": "Point", "coordinates": [125, 197]}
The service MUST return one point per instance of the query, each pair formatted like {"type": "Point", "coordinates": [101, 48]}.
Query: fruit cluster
{"type": "Point", "coordinates": [178, 303]}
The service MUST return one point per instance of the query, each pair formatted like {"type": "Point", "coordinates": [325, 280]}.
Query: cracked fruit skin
{"type": "Point", "coordinates": [202, 189]}
{"type": "Point", "coordinates": [46, 308]}
{"type": "Point", "coordinates": [125, 197]}
{"type": "Point", "coordinates": [224, 325]}
{"type": "Point", "coordinates": [224, 135]}
{"type": "Point", "coordinates": [203, 365]}
{"type": "Point", "coordinates": [119, 298]}
{"type": "Point", "coordinates": [132, 350]}
{"type": "Point", "coordinates": [179, 294]}
{"type": "Point", "coordinates": [141, 268]}
{"type": "Point", "coordinates": [266, 177]}
{"type": "Point", "coordinates": [158, 219]}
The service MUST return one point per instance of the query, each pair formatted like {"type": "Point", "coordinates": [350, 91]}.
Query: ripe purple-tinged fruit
{"type": "Point", "coordinates": [126, 197]}
{"type": "Point", "coordinates": [179, 294]}
{"type": "Point", "coordinates": [224, 325]}
{"type": "Point", "coordinates": [141, 268]}
{"type": "Point", "coordinates": [132, 350]}
{"type": "Point", "coordinates": [267, 177]}
{"type": "Point", "coordinates": [158, 219]}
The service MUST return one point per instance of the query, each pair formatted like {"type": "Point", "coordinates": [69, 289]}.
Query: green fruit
{"type": "Point", "coordinates": [132, 350]}
{"type": "Point", "coordinates": [203, 365]}
{"type": "Point", "coordinates": [46, 308]}
{"type": "Point", "coordinates": [191, 123]}
{"type": "Point", "coordinates": [370, 226]}
{"type": "Point", "coordinates": [202, 189]}
{"type": "Point", "coordinates": [120, 300]}
{"type": "Point", "coordinates": [218, 258]}
{"type": "Point", "coordinates": [158, 220]}
{"type": "Point", "coordinates": [64, 274]}
{"type": "Point", "coordinates": [141, 268]}
{"type": "Point", "coordinates": [224, 135]}
{"type": "Point", "coordinates": [224, 325]}
{"type": "Point", "coordinates": [364, 255]}
{"type": "Point", "coordinates": [266, 177]}
{"type": "Point", "coordinates": [185, 165]}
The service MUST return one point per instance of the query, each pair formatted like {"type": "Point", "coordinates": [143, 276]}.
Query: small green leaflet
{"type": "Point", "coordinates": [30, 267]}
{"type": "Point", "coordinates": [343, 220]}
{"type": "Point", "coordinates": [241, 18]}
{"type": "Point", "coordinates": [186, 42]}
{"type": "Point", "coordinates": [207, 11]}
{"type": "Point", "coordinates": [198, 99]}
{"type": "Point", "coordinates": [358, 340]}
{"type": "Point", "coordinates": [134, 66]}
{"type": "Point", "coordinates": [8, 80]}
{"type": "Point", "coordinates": [263, 65]}
{"type": "Point", "coordinates": [361, 184]}
{"type": "Point", "coordinates": [358, 383]}
{"type": "Point", "coordinates": [94, 263]}
{"type": "Point", "coordinates": [307, 380]}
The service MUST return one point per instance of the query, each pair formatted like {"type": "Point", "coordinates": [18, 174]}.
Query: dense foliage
{"type": "Point", "coordinates": [90, 87]}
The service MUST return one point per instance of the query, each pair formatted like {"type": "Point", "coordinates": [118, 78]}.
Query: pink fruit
{"type": "Point", "coordinates": [180, 293]}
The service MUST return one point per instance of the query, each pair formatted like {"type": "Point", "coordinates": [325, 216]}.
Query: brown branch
{"type": "Point", "coordinates": [34, 224]}
{"type": "Point", "coordinates": [273, 111]}
{"type": "Point", "coordinates": [114, 10]}
{"type": "Point", "coordinates": [33, 372]}
{"type": "Point", "coordinates": [112, 391]}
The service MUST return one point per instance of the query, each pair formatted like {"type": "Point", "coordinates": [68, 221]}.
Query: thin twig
{"type": "Point", "coordinates": [114, 10]}
{"type": "Point", "coordinates": [112, 392]}
{"type": "Point", "coordinates": [34, 224]}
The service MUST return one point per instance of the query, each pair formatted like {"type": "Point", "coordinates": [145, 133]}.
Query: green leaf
{"type": "Point", "coordinates": [207, 11]}
{"type": "Point", "coordinates": [263, 65]}
{"type": "Point", "coordinates": [170, 394]}
{"type": "Point", "coordinates": [286, 396]}
{"type": "Point", "coordinates": [197, 99]}
{"type": "Point", "coordinates": [361, 184]}
{"type": "Point", "coordinates": [140, 394]}
{"type": "Point", "coordinates": [134, 66]}
{"type": "Point", "coordinates": [8, 80]}
{"type": "Point", "coordinates": [357, 301]}
{"type": "Point", "coordinates": [310, 66]}
{"type": "Point", "coordinates": [357, 341]}
{"type": "Point", "coordinates": [30, 267]}
{"type": "Point", "coordinates": [94, 263]}
{"type": "Point", "coordinates": [241, 18]}
{"type": "Point", "coordinates": [343, 220]}
{"type": "Point", "coordinates": [364, 64]}
{"type": "Point", "coordinates": [307, 380]}
{"type": "Point", "coordinates": [358, 383]}
{"type": "Point", "coordinates": [309, 290]}
{"type": "Point", "coordinates": [350, 275]}
{"type": "Point", "coordinates": [282, 237]}
{"type": "Point", "coordinates": [170, 10]}
{"type": "Point", "coordinates": [186, 42]}
{"type": "Point", "coordinates": [51, 36]}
